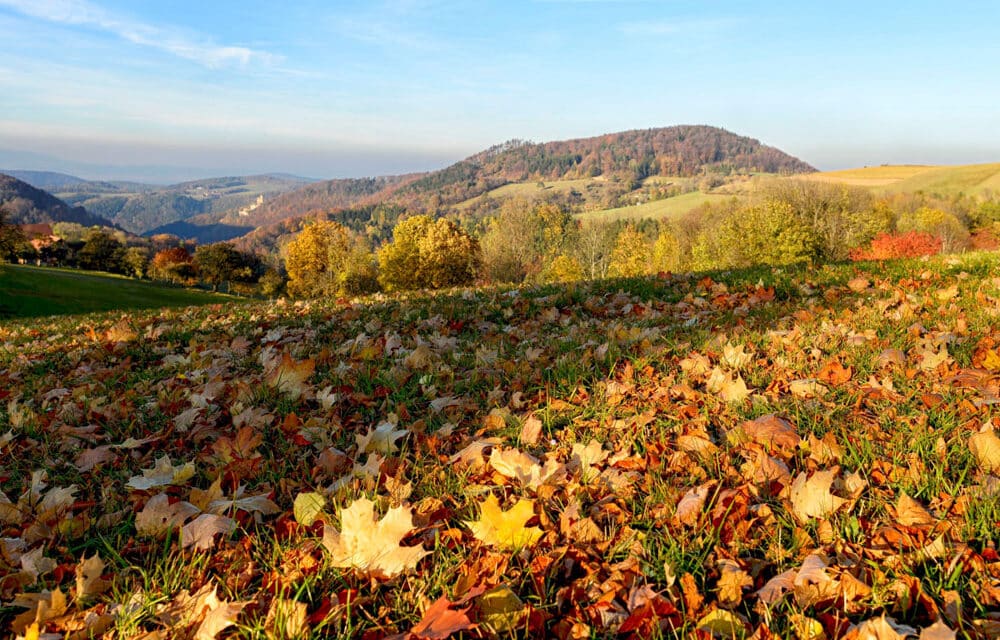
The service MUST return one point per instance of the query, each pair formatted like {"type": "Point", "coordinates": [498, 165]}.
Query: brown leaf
{"type": "Point", "coordinates": [88, 578]}
{"type": "Point", "coordinates": [771, 432]}
{"type": "Point", "coordinates": [911, 513]}
{"type": "Point", "coordinates": [200, 533]}
{"type": "Point", "coordinates": [811, 497]}
{"type": "Point", "coordinates": [937, 631]}
{"type": "Point", "coordinates": [731, 583]}
{"type": "Point", "coordinates": [159, 516]}
{"type": "Point", "coordinates": [692, 503]}
{"type": "Point", "coordinates": [531, 430]}
{"type": "Point", "coordinates": [985, 445]}
{"type": "Point", "coordinates": [440, 621]}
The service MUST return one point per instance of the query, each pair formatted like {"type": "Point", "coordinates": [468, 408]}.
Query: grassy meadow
{"type": "Point", "coordinates": [27, 291]}
{"type": "Point", "coordinates": [971, 180]}
{"type": "Point", "coordinates": [750, 454]}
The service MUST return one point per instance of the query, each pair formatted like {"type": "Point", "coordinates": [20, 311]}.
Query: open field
{"type": "Point", "coordinates": [759, 454]}
{"type": "Point", "coordinates": [27, 291]}
{"type": "Point", "coordinates": [972, 180]}
{"type": "Point", "coordinates": [656, 210]}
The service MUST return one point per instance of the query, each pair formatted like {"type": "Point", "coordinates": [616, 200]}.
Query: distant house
{"type": "Point", "coordinates": [44, 240]}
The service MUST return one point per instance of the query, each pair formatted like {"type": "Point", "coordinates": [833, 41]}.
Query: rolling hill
{"type": "Point", "coordinates": [602, 169]}
{"type": "Point", "coordinates": [28, 205]}
{"type": "Point", "coordinates": [939, 180]}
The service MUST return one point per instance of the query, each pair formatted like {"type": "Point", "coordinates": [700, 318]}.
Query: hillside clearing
{"type": "Point", "coordinates": [27, 291]}
{"type": "Point", "coordinates": [664, 209]}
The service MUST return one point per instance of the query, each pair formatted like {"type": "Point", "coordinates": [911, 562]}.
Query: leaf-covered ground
{"type": "Point", "coordinates": [759, 454]}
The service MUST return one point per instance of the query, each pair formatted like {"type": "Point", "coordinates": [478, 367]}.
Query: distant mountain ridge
{"type": "Point", "coordinates": [29, 205]}
{"type": "Point", "coordinates": [46, 180]}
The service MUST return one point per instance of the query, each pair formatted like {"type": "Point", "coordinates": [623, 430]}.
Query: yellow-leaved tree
{"type": "Point", "coordinates": [325, 259]}
{"type": "Point", "coordinates": [631, 256]}
{"type": "Point", "coordinates": [428, 253]}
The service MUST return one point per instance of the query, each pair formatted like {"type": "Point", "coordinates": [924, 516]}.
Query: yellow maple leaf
{"type": "Point", "coordinates": [985, 445]}
{"type": "Point", "coordinates": [505, 529]}
{"type": "Point", "coordinates": [289, 376]}
{"type": "Point", "coordinates": [162, 474]}
{"type": "Point", "coordinates": [811, 497]}
{"type": "Point", "coordinates": [372, 545]}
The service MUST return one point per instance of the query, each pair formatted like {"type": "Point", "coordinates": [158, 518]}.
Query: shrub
{"type": "Point", "coordinates": [911, 244]}
{"type": "Point", "coordinates": [945, 226]}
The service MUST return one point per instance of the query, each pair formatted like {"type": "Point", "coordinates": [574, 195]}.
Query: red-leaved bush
{"type": "Point", "coordinates": [887, 246]}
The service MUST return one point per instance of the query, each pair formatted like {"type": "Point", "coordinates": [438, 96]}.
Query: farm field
{"type": "Point", "coordinates": [657, 210]}
{"type": "Point", "coordinates": [973, 180]}
{"type": "Point", "coordinates": [27, 291]}
{"type": "Point", "coordinates": [750, 454]}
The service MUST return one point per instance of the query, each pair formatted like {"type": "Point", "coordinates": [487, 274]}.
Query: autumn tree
{"type": "Point", "coordinates": [11, 237]}
{"type": "Point", "coordinates": [632, 255]}
{"type": "Point", "coordinates": [174, 264]}
{"type": "Point", "coordinates": [767, 233]}
{"type": "Point", "coordinates": [427, 253]}
{"type": "Point", "coordinates": [325, 259]}
{"type": "Point", "coordinates": [522, 237]}
{"type": "Point", "coordinates": [562, 268]}
{"type": "Point", "coordinates": [594, 243]}
{"type": "Point", "coordinates": [667, 254]}
{"type": "Point", "coordinates": [941, 224]}
{"type": "Point", "coordinates": [135, 261]}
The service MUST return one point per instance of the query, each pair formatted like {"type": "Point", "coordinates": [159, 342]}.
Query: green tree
{"type": "Point", "coordinates": [101, 252]}
{"type": "Point", "coordinates": [221, 263]}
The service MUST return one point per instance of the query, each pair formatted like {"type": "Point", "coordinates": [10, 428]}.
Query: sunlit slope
{"type": "Point", "coordinates": [973, 179]}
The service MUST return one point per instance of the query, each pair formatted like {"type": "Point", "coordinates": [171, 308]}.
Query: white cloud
{"type": "Point", "coordinates": [85, 14]}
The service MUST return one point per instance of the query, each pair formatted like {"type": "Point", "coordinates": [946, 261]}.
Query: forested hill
{"type": "Point", "coordinates": [28, 205]}
{"type": "Point", "coordinates": [628, 156]}
{"type": "Point", "coordinates": [684, 150]}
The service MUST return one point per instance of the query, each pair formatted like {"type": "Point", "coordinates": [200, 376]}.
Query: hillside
{"type": "Point", "coordinates": [794, 453]}
{"type": "Point", "coordinates": [143, 209]}
{"type": "Point", "coordinates": [27, 292]}
{"type": "Point", "coordinates": [942, 180]}
{"type": "Point", "coordinates": [48, 180]}
{"type": "Point", "coordinates": [28, 205]}
{"type": "Point", "coordinates": [601, 171]}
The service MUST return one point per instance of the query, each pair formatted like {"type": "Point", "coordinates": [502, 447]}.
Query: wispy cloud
{"type": "Point", "coordinates": [86, 14]}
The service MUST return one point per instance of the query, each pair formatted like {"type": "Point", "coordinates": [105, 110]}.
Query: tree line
{"type": "Point", "coordinates": [785, 222]}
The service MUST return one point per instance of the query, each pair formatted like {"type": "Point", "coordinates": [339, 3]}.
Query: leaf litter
{"type": "Point", "coordinates": [784, 454]}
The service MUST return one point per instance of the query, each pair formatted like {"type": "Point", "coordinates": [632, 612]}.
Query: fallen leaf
{"type": "Point", "coordinates": [910, 513]}
{"type": "Point", "coordinates": [159, 516]}
{"type": "Point", "coordinates": [501, 611]}
{"type": "Point", "coordinates": [811, 497]}
{"type": "Point", "coordinates": [985, 446]}
{"type": "Point", "coordinates": [381, 439]}
{"type": "Point", "coordinates": [289, 376]}
{"type": "Point", "coordinates": [505, 529]}
{"type": "Point", "coordinates": [372, 545]}
{"type": "Point", "coordinates": [308, 507]}
{"type": "Point", "coordinates": [162, 474]}
{"type": "Point", "coordinates": [937, 631]}
{"type": "Point", "coordinates": [200, 533]}
{"type": "Point", "coordinates": [723, 624]}
{"type": "Point", "coordinates": [88, 578]}
{"type": "Point", "coordinates": [440, 621]}
{"type": "Point", "coordinates": [531, 430]}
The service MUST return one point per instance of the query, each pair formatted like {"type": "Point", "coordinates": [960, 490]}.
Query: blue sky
{"type": "Point", "coordinates": [330, 89]}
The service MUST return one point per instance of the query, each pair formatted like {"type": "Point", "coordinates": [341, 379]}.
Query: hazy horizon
{"type": "Point", "coordinates": [168, 93]}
